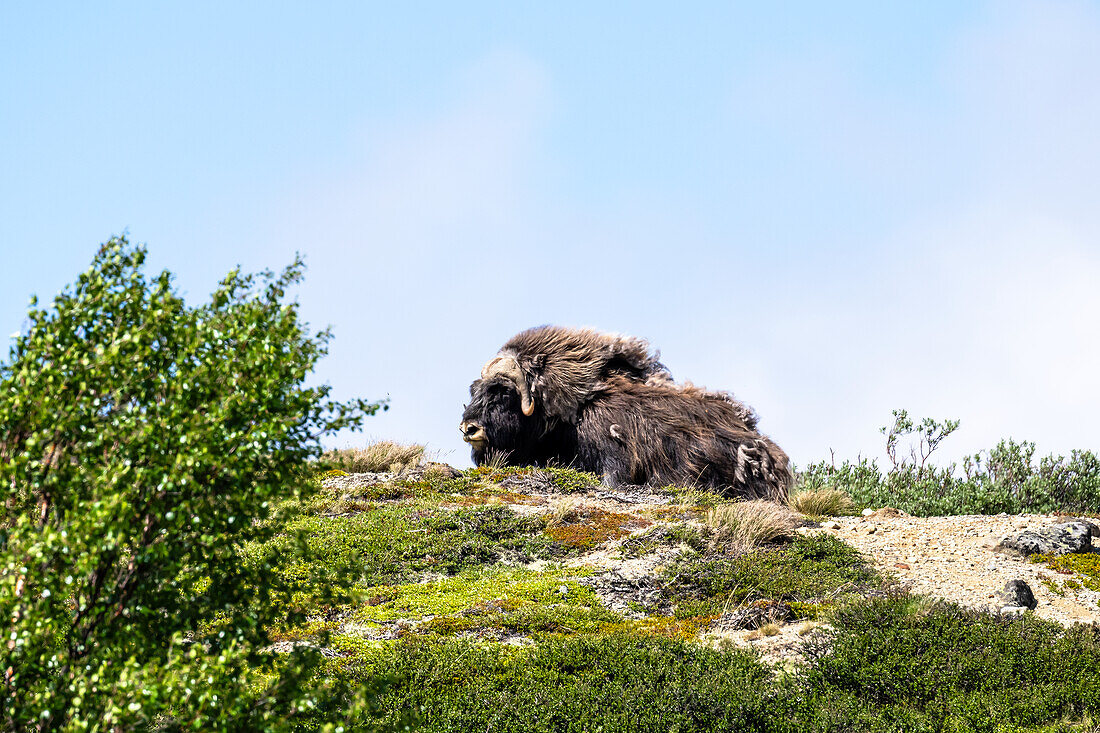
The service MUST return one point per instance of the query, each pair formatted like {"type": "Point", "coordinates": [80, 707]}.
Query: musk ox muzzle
{"type": "Point", "coordinates": [473, 433]}
{"type": "Point", "coordinates": [604, 403]}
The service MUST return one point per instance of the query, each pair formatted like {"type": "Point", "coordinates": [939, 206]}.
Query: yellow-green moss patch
{"type": "Point", "coordinates": [1085, 567]}
{"type": "Point", "coordinates": [492, 589]}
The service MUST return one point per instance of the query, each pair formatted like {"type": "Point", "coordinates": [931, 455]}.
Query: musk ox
{"type": "Point", "coordinates": [605, 403]}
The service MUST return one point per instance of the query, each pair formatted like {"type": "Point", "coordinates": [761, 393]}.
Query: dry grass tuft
{"type": "Point", "coordinates": [496, 460]}
{"type": "Point", "coordinates": [562, 511]}
{"type": "Point", "coordinates": [822, 502]}
{"type": "Point", "coordinates": [749, 524]}
{"type": "Point", "coordinates": [377, 457]}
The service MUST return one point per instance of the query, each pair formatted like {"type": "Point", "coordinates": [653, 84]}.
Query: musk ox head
{"type": "Point", "coordinates": [537, 383]}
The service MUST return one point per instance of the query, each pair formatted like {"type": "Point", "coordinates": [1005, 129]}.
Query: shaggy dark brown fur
{"type": "Point", "coordinates": [565, 366]}
{"type": "Point", "coordinates": [604, 403]}
{"type": "Point", "coordinates": [663, 434]}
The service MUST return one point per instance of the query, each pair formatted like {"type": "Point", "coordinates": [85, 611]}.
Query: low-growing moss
{"type": "Point", "coordinates": [675, 512]}
{"type": "Point", "coordinates": [396, 543]}
{"type": "Point", "coordinates": [685, 629]}
{"type": "Point", "coordinates": [571, 481]}
{"type": "Point", "coordinates": [496, 498]}
{"type": "Point", "coordinates": [560, 480]}
{"type": "Point", "coordinates": [808, 610]}
{"type": "Point", "coordinates": [335, 499]}
{"type": "Point", "coordinates": [477, 591]}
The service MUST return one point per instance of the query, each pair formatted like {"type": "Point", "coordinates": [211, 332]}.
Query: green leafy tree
{"type": "Point", "coordinates": [143, 444]}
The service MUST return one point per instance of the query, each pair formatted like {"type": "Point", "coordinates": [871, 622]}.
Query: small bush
{"type": "Point", "coordinates": [747, 524]}
{"type": "Point", "coordinates": [375, 458]}
{"type": "Point", "coordinates": [812, 568]}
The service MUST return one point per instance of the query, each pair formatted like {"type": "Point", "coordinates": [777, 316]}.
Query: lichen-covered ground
{"type": "Point", "coordinates": [539, 599]}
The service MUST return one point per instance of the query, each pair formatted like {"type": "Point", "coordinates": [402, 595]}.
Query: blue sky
{"type": "Point", "coordinates": [832, 210]}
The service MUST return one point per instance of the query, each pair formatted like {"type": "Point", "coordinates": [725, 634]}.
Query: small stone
{"type": "Point", "coordinates": [868, 512]}
{"type": "Point", "coordinates": [1018, 593]}
{"type": "Point", "coordinates": [901, 566]}
{"type": "Point", "coordinates": [871, 529]}
{"type": "Point", "coordinates": [832, 525]}
{"type": "Point", "coordinates": [1012, 610]}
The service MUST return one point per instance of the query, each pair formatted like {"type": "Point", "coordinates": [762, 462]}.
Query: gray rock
{"type": "Point", "coordinates": [1057, 539]}
{"type": "Point", "coordinates": [1092, 524]}
{"type": "Point", "coordinates": [1017, 593]}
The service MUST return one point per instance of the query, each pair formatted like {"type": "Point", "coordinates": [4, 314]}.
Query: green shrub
{"type": "Point", "coordinates": [140, 442]}
{"type": "Point", "coordinates": [890, 664]}
{"type": "Point", "coordinates": [947, 668]}
{"type": "Point", "coordinates": [1007, 478]}
{"type": "Point", "coordinates": [811, 568]}
{"type": "Point", "coordinates": [579, 683]}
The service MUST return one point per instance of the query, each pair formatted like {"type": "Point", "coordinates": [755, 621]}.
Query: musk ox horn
{"type": "Point", "coordinates": [507, 366]}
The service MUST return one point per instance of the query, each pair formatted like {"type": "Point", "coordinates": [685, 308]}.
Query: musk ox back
{"type": "Point", "coordinates": [604, 403]}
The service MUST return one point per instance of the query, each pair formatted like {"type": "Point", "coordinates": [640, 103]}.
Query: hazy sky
{"type": "Point", "coordinates": [831, 209]}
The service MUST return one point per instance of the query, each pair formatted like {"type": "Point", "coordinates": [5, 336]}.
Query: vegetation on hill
{"type": "Point", "coordinates": [496, 623]}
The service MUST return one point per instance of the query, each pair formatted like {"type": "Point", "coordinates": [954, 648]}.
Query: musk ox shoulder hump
{"type": "Point", "coordinates": [743, 411]}
{"type": "Point", "coordinates": [566, 366]}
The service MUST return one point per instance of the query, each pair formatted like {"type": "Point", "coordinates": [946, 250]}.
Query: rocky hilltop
{"type": "Point", "coordinates": [676, 562]}
{"type": "Point", "coordinates": [541, 599]}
